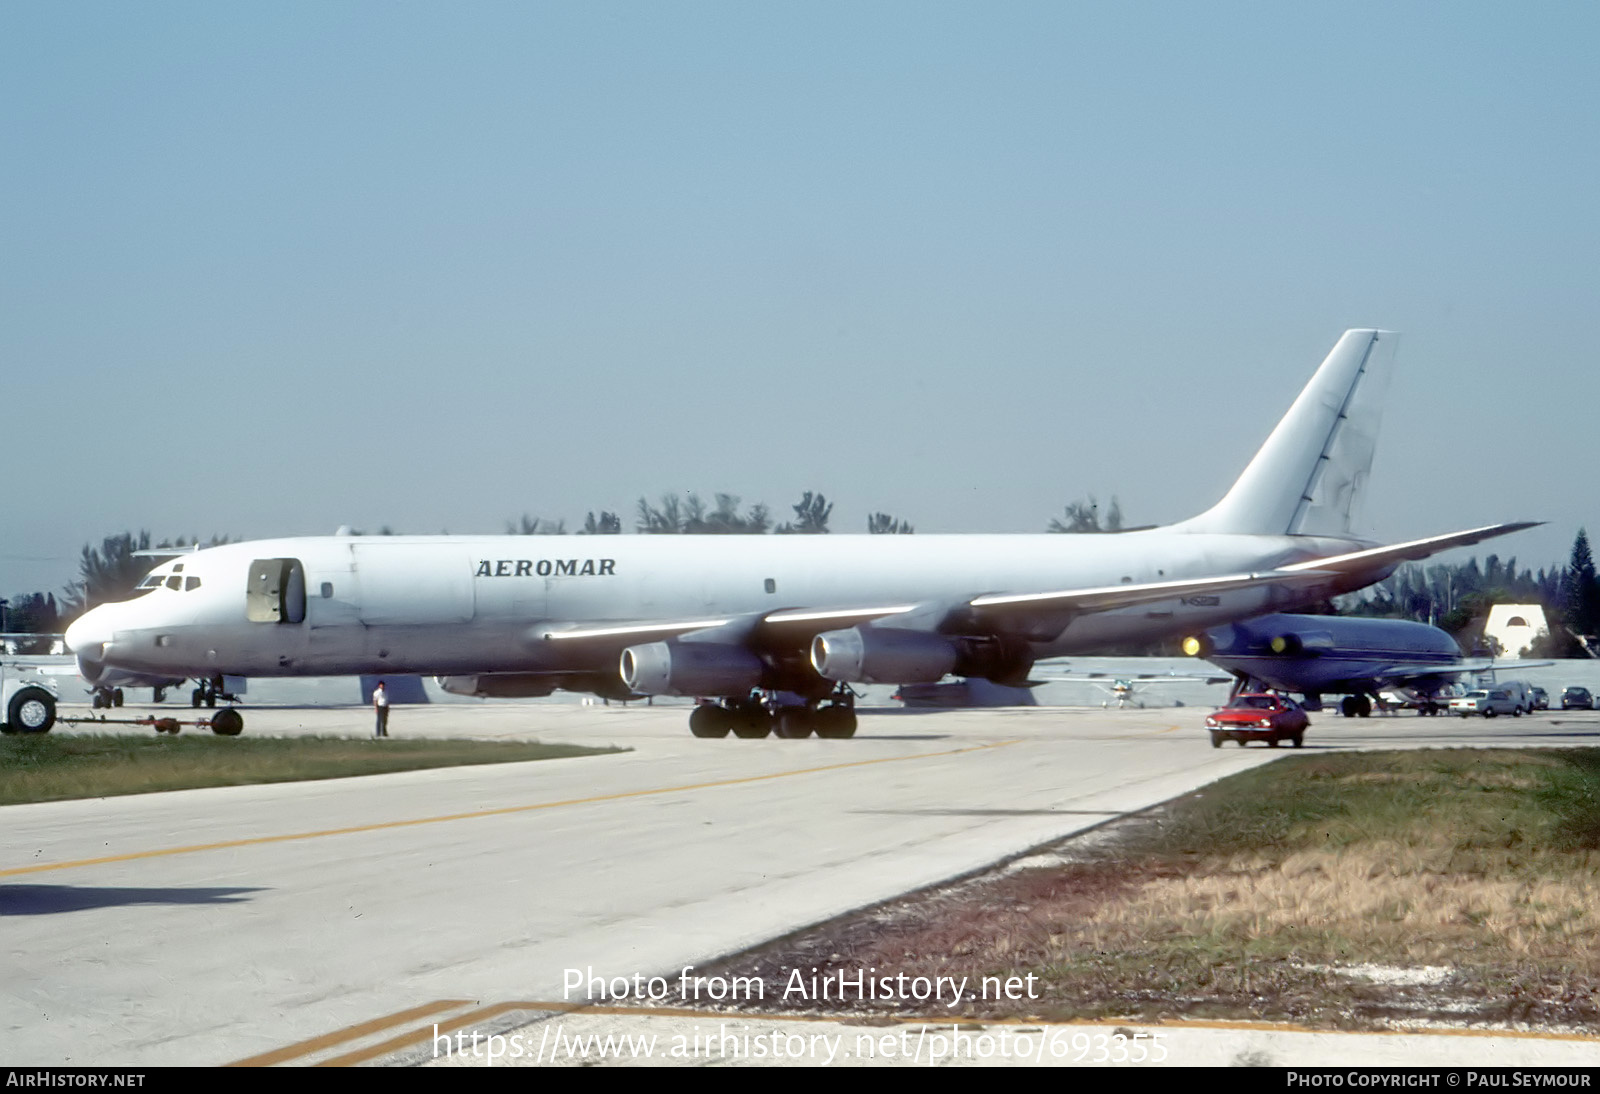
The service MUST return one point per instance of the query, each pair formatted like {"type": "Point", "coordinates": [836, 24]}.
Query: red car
{"type": "Point", "coordinates": [1269, 718]}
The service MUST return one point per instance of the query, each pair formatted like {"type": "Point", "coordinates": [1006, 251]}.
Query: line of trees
{"type": "Point", "coordinates": [692, 515]}
{"type": "Point", "coordinates": [1457, 597]}
{"type": "Point", "coordinates": [106, 573]}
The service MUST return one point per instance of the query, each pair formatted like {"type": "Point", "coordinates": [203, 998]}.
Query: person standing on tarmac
{"type": "Point", "coordinates": [380, 705]}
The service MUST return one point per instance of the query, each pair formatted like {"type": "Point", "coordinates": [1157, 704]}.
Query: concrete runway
{"type": "Point", "coordinates": [209, 926]}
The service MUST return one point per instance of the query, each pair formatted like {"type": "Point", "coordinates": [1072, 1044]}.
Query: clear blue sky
{"type": "Point", "coordinates": [272, 268]}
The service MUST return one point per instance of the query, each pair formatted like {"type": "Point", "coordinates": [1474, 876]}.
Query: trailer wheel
{"type": "Point", "coordinates": [31, 710]}
{"type": "Point", "coordinates": [227, 723]}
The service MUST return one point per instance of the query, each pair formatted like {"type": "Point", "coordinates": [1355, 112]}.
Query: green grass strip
{"type": "Point", "coordinates": [57, 767]}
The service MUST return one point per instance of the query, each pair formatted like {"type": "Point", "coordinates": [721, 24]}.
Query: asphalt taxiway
{"type": "Point", "coordinates": [211, 926]}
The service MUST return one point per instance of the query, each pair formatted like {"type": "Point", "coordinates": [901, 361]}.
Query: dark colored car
{"type": "Point", "coordinates": [1576, 699]}
{"type": "Point", "coordinates": [1269, 718]}
{"type": "Point", "coordinates": [1541, 698]}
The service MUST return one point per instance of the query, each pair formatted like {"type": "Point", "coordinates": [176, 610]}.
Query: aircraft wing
{"type": "Point", "coordinates": [1051, 608]}
{"type": "Point", "coordinates": [1145, 679]}
{"type": "Point", "coordinates": [1410, 551]}
{"type": "Point", "coordinates": [1483, 665]}
{"type": "Point", "coordinates": [1065, 601]}
{"type": "Point", "coordinates": [1401, 673]}
{"type": "Point", "coordinates": [1110, 597]}
{"type": "Point", "coordinates": [1059, 668]}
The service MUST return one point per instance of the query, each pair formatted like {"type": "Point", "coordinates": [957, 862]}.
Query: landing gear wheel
{"type": "Point", "coordinates": [31, 710]}
{"type": "Point", "coordinates": [752, 724]}
{"type": "Point", "coordinates": [1363, 706]}
{"type": "Point", "coordinates": [1349, 707]}
{"type": "Point", "coordinates": [116, 697]}
{"type": "Point", "coordinates": [196, 698]}
{"type": "Point", "coordinates": [710, 721]}
{"type": "Point", "coordinates": [226, 723]}
{"type": "Point", "coordinates": [98, 699]}
{"type": "Point", "coordinates": [836, 722]}
{"type": "Point", "coordinates": [795, 723]}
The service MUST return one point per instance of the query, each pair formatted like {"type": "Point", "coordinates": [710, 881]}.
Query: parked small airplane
{"type": "Point", "coordinates": [744, 618]}
{"type": "Point", "coordinates": [1317, 655]}
{"type": "Point", "coordinates": [1123, 691]}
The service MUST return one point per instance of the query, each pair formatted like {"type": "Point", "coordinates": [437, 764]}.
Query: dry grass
{"type": "Point", "coordinates": [1274, 894]}
{"type": "Point", "coordinates": [1407, 904]}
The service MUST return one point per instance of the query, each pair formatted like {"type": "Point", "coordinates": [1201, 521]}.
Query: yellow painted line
{"type": "Point", "coordinates": [350, 1033]}
{"type": "Point", "coordinates": [417, 1036]}
{"type": "Point", "coordinates": [255, 841]}
{"type": "Point", "coordinates": [406, 1040]}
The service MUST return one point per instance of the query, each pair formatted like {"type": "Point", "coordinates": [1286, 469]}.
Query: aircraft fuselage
{"type": "Point", "coordinates": [441, 605]}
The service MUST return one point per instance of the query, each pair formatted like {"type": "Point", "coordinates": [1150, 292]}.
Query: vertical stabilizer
{"type": "Point", "coordinates": [1309, 476]}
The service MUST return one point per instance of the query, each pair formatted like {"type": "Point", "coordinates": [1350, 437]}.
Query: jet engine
{"type": "Point", "coordinates": [690, 668]}
{"type": "Point", "coordinates": [1292, 642]}
{"type": "Point", "coordinates": [883, 655]}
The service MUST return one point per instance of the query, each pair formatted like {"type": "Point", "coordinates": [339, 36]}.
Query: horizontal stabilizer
{"type": "Point", "coordinates": [1374, 558]}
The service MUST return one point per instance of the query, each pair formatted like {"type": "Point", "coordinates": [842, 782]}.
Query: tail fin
{"type": "Point", "coordinates": [1308, 478]}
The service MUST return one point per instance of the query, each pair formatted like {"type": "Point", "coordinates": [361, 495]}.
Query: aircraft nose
{"type": "Point", "coordinates": [89, 635]}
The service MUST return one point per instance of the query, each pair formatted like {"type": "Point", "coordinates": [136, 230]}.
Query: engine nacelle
{"type": "Point", "coordinates": [883, 655]}
{"type": "Point", "coordinates": [690, 668]}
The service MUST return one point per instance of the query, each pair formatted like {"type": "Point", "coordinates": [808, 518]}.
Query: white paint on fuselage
{"type": "Point", "coordinates": [460, 604]}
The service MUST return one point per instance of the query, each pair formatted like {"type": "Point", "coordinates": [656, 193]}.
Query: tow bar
{"type": "Point", "coordinates": [226, 723]}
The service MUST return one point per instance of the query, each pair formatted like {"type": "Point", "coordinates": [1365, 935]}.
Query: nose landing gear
{"type": "Point", "coordinates": [208, 693]}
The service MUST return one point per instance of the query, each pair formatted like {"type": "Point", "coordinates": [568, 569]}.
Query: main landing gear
{"type": "Point", "coordinates": [755, 716]}
{"type": "Point", "coordinates": [106, 698]}
{"type": "Point", "coordinates": [1356, 706]}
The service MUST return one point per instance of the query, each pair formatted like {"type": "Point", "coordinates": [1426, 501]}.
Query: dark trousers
{"type": "Point", "coordinates": [383, 721]}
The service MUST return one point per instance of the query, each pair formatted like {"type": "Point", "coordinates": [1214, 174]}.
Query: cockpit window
{"type": "Point", "coordinates": [174, 582]}
{"type": "Point", "coordinates": [151, 582]}
{"type": "Point", "coordinates": [190, 583]}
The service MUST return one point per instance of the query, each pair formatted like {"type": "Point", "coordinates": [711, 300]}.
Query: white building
{"type": "Point", "coordinates": [1515, 626]}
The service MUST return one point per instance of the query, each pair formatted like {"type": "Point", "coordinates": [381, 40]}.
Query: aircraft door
{"type": "Point", "coordinates": [276, 592]}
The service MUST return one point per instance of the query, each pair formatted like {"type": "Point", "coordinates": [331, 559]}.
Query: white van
{"type": "Point", "coordinates": [1522, 692]}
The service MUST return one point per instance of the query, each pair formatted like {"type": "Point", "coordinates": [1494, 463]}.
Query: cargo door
{"type": "Point", "coordinates": [413, 583]}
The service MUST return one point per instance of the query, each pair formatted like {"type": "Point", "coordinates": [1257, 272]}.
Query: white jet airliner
{"type": "Point", "coordinates": [755, 621]}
